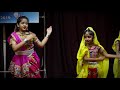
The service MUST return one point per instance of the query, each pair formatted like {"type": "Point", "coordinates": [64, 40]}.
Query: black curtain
{"type": "Point", "coordinates": [68, 27]}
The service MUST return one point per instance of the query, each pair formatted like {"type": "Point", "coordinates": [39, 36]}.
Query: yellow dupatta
{"type": "Point", "coordinates": [82, 68]}
{"type": "Point", "coordinates": [115, 65]}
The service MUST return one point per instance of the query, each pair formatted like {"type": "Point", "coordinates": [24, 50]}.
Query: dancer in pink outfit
{"type": "Point", "coordinates": [25, 63]}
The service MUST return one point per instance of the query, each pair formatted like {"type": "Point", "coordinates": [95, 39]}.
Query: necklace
{"type": "Point", "coordinates": [24, 33]}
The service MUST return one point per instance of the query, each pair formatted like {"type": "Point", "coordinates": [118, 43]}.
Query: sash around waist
{"type": "Point", "coordinates": [26, 52]}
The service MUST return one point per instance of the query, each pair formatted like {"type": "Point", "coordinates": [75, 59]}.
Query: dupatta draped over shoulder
{"type": "Point", "coordinates": [115, 65]}
{"type": "Point", "coordinates": [82, 68]}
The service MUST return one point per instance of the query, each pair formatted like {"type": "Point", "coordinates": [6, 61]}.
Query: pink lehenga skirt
{"type": "Point", "coordinates": [25, 64]}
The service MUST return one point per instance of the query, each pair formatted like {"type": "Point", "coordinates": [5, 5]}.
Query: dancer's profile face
{"type": "Point", "coordinates": [23, 25]}
{"type": "Point", "coordinates": [88, 38]}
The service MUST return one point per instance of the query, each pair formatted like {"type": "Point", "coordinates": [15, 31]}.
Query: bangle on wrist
{"type": "Point", "coordinates": [47, 35]}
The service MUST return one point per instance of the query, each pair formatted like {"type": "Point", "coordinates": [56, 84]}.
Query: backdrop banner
{"type": "Point", "coordinates": [11, 17]}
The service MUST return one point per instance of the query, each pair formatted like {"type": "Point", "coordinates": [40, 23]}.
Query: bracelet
{"type": "Point", "coordinates": [47, 35]}
{"type": "Point", "coordinates": [25, 40]}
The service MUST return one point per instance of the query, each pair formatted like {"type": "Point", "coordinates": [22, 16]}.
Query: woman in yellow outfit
{"type": "Point", "coordinates": [92, 58]}
{"type": "Point", "coordinates": [116, 65]}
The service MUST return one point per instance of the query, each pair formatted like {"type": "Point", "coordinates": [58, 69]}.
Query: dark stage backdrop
{"type": "Point", "coordinates": [68, 27]}
{"type": "Point", "coordinates": [63, 44]}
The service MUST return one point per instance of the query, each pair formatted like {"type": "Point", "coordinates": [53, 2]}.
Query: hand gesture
{"type": "Point", "coordinates": [102, 57]}
{"type": "Point", "coordinates": [49, 30]}
{"type": "Point", "coordinates": [30, 37]}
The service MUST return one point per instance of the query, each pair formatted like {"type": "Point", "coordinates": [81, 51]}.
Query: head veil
{"type": "Point", "coordinates": [114, 44]}
{"type": "Point", "coordinates": [81, 68]}
{"type": "Point", "coordinates": [115, 65]}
